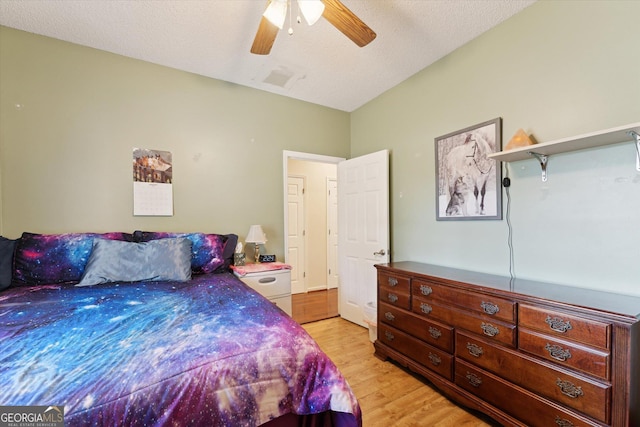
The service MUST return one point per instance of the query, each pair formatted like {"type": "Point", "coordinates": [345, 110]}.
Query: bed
{"type": "Point", "coordinates": [165, 346]}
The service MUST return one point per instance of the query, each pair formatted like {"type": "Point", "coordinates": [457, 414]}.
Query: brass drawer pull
{"type": "Point", "coordinates": [390, 317]}
{"type": "Point", "coordinates": [435, 359]}
{"type": "Point", "coordinates": [563, 423]}
{"type": "Point", "coordinates": [474, 350]}
{"type": "Point", "coordinates": [425, 290]}
{"type": "Point", "coordinates": [557, 352]}
{"type": "Point", "coordinates": [569, 389]}
{"type": "Point", "coordinates": [389, 335]}
{"type": "Point", "coordinates": [489, 330]}
{"type": "Point", "coordinates": [393, 281]}
{"type": "Point", "coordinates": [434, 332]}
{"type": "Point", "coordinates": [425, 308]}
{"type": "Point", "coordinates": [474, 380]}
{"type": "Point", "coordinates": [489, 307]}
{"type": "Point", "coordinates": [392, 297]}
{"type": "Point", "coordinates": [558, 324]}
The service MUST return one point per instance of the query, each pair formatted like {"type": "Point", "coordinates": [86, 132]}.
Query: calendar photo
{"type": "Point", "coordinates": [152, 182]}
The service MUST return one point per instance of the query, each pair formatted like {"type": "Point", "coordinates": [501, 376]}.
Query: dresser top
{"type": "Point", "coordinates": [627, 305]}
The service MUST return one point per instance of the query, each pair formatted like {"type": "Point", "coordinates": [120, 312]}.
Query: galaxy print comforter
{"type": "Point", "coordinates": [208, 352]}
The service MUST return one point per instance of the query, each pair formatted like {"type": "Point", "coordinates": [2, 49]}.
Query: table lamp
{"type": "Point", "coordinates": [256, 236]}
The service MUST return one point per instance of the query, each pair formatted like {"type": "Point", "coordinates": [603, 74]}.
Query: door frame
{"type": "Point", "coordinates": [297, 155]}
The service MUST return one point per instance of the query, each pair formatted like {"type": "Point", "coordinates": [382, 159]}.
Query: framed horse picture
{"type": "Point", "coordinates": [467, 181]}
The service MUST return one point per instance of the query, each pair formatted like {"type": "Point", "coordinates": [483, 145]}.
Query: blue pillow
{"type": "Point", "coordinates": [118, 261]}
{"type": "Point", "coordinates": [210, 253]}
{"type": "Point", "coordinates": [7, 247]}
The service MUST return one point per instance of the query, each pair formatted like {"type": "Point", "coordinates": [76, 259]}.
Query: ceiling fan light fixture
{"type": "Point", "coordinates": [336, 13]}
{"type": "Point", "coordinates": [311, 10]}
{"type": "Point", "coordinates": [276, 12]}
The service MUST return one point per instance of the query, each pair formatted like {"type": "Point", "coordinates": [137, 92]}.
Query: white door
{"type": "Point", "coordinates": [363, 230]}
{"type": "Point", "coordinates": [332, 233]}
{"type": "Point", "coordinates": [296, 233]}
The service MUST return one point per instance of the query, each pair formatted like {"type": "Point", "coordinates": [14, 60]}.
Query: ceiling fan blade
{"type": "Point", "coordinates": [265, 37]}
{"type": "Point", "coordinates": [347, 22]}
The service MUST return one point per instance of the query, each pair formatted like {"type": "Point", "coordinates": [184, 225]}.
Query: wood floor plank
{"type": "Point", "coordinates": [388, 394]}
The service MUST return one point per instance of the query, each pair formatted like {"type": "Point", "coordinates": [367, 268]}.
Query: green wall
{"type": "Point", "coordinates": [557, 69]}
{"type": "Point", "coordinates": [70, 116]}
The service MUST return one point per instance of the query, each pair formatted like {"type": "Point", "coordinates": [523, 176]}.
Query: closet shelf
{"type": "Point", "coordinates": [580, 142]}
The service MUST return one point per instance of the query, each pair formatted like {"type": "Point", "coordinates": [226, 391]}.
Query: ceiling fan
{"type": "Point", "coordinates": [333, 11]}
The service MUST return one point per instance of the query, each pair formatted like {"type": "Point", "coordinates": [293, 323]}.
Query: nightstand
{"type": "Point", "coordinates": [275, 285]}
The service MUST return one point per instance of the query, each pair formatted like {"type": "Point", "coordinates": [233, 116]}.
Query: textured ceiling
{"type": "Point", "coordinates": [317, 64]}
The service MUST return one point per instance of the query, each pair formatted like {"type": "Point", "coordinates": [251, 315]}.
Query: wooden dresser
{"type": "Point", "coordinates": [525, 353]}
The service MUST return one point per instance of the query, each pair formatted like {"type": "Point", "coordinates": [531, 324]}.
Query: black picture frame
{"type": "Point", "coordinates": [468, 183]}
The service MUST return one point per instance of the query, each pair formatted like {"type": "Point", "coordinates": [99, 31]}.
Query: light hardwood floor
{"type": "Point", "coordinates": [388, 394]}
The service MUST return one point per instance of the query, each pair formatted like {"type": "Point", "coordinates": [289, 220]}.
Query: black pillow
{"type": "Point", "coordinates": [7, 247]}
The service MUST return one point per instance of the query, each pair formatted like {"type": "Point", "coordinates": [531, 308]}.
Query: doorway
{"type": "Point", "coordinates": [310, 228]}
{"type": "Point", "coordinates": [363, 222]}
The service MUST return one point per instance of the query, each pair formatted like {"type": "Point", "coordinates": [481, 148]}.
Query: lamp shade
{"type": "Point", "coordinates": [311, 10]}
{"type": "Point", "coordinates": [276, 12]}
{"type": "Point", "coordinates": [256, 235]}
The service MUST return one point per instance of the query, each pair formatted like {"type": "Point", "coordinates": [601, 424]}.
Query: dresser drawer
{"type": "Point", "coordinates": [395, 297]}
{"type": "Point", "coordinates": [575, 391]}
{"type": "Point", "coordinates": [432, 332]}
{"type": "Point", "coordinates": [499, 308]}
{"type": "Point", "coordinates": [430, 357]}
{"type": "Point", "coordinates": [565, 353]}
{"type": "Point", "coordinates": [491, 328]}
{"type": "Point", "coordinates": [521, 404]}
{"type": "Point", "coordinates": [393, 282]}
{"type": "Point", "coordinates": [565, 326]}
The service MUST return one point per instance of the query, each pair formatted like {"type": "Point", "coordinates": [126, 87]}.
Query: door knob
{"type": "Point", "coordinates": [380, 252]}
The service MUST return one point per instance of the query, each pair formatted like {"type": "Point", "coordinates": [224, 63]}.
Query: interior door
{"type": "Point", "coordinates": [296, 233]}
{"type": "Point", "coordinates": [363, 230]}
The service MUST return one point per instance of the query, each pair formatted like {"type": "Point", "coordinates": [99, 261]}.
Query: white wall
{"type": "Point", "coordinates": [557, 69]}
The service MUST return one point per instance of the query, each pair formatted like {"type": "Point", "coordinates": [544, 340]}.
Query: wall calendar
{"type": "Point", "coordinates": [152, 183]}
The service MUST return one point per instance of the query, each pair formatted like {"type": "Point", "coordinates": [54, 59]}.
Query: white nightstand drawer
{"type": "Point", "coordinates": [270, 283]}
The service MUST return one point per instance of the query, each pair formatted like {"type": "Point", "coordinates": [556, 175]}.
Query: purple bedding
{"type": "Point", "coordinates": [210, 351]}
